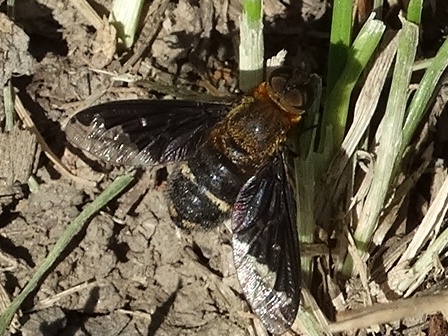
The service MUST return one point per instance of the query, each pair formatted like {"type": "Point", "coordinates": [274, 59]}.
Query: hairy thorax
{"type": "Point", "coordinates": [251, 132]}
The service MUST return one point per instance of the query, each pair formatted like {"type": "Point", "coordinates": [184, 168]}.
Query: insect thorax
{"type": "Point", "coordinates": [251, 133]}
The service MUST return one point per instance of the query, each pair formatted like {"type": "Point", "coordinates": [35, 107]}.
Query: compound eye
{"type": "Point", "coordinates": [290, 89]}
{"type": "Point", "coordinates": [296, 97]}
{"type": "Point", "coordinates": [277, 82]}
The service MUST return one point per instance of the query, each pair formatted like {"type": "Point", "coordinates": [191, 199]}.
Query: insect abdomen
{"type": "Point", "coordinates": [202, 191]}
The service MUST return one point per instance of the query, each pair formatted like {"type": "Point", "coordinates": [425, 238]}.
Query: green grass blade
{"type": "Point", "coordinates": [251, 47]}
{"type": "Point", "coordinates": [390, 138]}
{"type": "Point", "coordinates": [337, 102]}
{"type": "Point", "coordinates": [365, 107]}
{"type": "Point", "coordinates": [253, 10]}
{"type": "Point", "coordinates": [423, 95]}
{"type": "Point", "coordinates": [305, 179]}
{"type": "Point", "coordinates": [340, 40]}
{"type": "Point", "coordinates": [415, 11]}
{"type": "Point", "coordinates": [125, 16]}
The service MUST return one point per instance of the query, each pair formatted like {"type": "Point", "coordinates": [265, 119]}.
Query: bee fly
{"type": "Point", "coordinates": [232, 163]}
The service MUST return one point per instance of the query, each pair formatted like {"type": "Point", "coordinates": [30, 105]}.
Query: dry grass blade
{"type": "Point", "coordinates": [89, 13]}
{"type": "Point", "coordinates": [388, 312]}
{"type": "Point", "coordinates": [138, 314]}
{"type": "Point", "coordinates": [430, 224]}
{"type": "Point", "coordinates": [311, 320]}
{"type": "Point", "coordinates": [406, 280]}
{"type": "Point", "coordinates": [5, 301]}
{"type": "Point", "coordinates": [49, 302]}
{"type": "Point", "coordinates": [388, 137]}
{"type": "Point", "coordinates": [153, 20]}
{"type": "Point", "coordinates": [364, 110]}
{"type": "Point", "coordinates": [28, 122]}
{"type": "Point", "coordinates": [400, 194]}
{"type": "Point", "coordinates": [365, 107]}
{"type": "Point", "coordinates": [125, 16]}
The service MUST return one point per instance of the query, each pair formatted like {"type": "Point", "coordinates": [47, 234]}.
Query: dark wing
{"type": "Point", "coordinates": [144, 132]}
{"type": "Point", "coordinates": [265, 245]}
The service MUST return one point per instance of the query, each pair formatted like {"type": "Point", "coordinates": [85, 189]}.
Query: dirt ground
{"type": "Point", "coordinates": [130, 271]}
